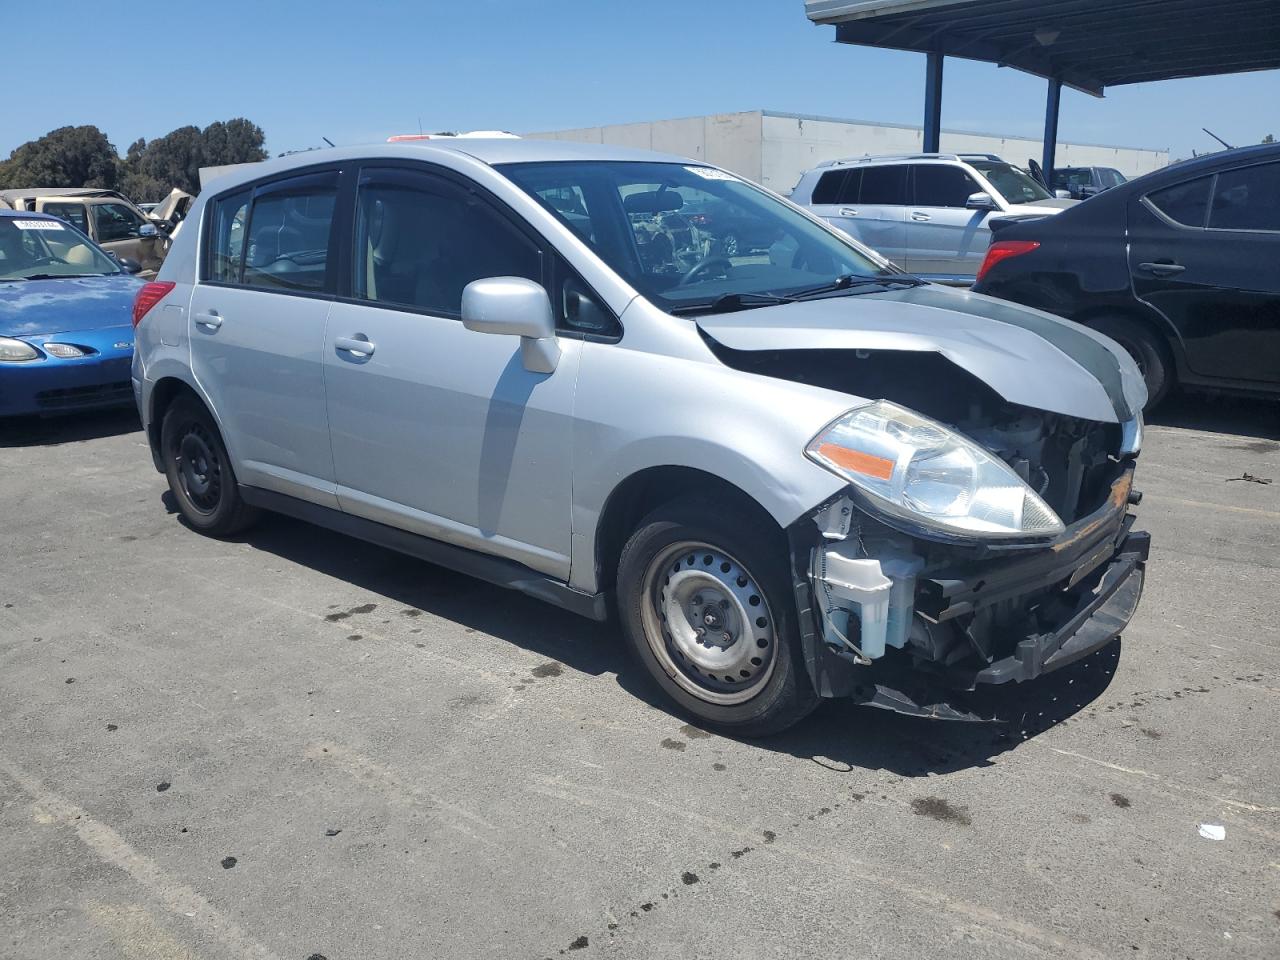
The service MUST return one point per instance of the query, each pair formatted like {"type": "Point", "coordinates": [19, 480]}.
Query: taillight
{"type": "Point", "coordinates": [150, 294]}
{"type": "Point", "coordinates": [1003, 250]}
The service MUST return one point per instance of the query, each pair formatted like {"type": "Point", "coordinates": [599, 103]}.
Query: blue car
{"type": "Point", "coordinates": [66, 311]}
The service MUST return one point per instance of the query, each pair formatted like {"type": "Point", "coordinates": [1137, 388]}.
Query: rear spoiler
{"type": "Point", "coordinates": [996, 224]}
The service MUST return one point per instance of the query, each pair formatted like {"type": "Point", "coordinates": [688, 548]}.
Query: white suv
{"type": "Point", "coordinates": [791, 470]}
{"type": "Point", "coordinates": [927, 212]}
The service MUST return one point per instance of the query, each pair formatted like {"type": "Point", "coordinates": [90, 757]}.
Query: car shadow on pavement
{"type": "Point", "coordinates": [68, 428]}
{"type": "Point", "coordinates": [844, 736]}
{"type": "Point", "coordinates": [841, 736]}
{"type": "Point", "coordinates": [1242, 416]}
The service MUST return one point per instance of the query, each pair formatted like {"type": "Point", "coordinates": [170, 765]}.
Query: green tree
{"type": "Point", "coordinates": [66, 157]}
{"type": "Point", "coordinates": [1269, 138]}
{"type": "Point", "coordinates": [153, 168]}
{"type": "Point", "coordinates": [233, 141]}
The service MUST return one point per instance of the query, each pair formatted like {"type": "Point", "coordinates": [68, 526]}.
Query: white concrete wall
{"type": "Point", "coordinates": [775, 149]}
{"type": "Point", "coordinates": [729, 140]}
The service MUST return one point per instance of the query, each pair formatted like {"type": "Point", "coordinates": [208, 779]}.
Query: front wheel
{"type": "Point", "coordinates": [199, 471]}
{"type": "Point", "coordinates": [706, 607]}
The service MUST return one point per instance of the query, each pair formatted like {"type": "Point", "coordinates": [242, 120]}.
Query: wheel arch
{"type": "Point", "coordinates": [644, 491]}
{"type": "Point", "coordinates": [1166, 336]}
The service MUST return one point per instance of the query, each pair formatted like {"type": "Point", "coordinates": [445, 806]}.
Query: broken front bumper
{"type": "Point", "coordinates": [1084, 587]}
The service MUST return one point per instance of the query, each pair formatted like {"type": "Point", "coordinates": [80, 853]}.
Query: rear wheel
{"type": "Point", "coordinates": [706, 605]}
{"type": "Point", "coordinates": [1143, 344]}
{"type": "Point", "coordinates": [199, 471]}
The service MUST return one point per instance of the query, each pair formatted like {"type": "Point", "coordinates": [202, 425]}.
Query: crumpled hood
{"type": "Point", "coordinates": [31, 307]}
{"type": "Point", "coordinates": [1030, 358]}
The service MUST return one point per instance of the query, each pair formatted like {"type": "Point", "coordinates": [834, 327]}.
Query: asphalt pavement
{"type": "Point", "coordinates": [300, 746]}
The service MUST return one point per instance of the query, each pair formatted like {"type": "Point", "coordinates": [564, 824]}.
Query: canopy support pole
{"type": "Point", "coordinates": [933, 103]}
{"type": "Point", "coordinates": [1052, 103]}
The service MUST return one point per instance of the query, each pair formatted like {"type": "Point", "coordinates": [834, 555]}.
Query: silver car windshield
{"type": "Point", "coordinates": [1014, 185]}
{"type": "Point", "coordinates": [43, 248]}
{"type": "Point", "coordinates": [687, 235]}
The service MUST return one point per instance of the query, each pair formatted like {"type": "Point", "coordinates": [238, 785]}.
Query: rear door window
{"type": "Point", "coordinates": [938, 185]}
{"type": "Point", "coordinates": [1247, 199]}
{"type": "Point", "coordinates": [884, 186]}
{"type": "Point", "coordinates": [1184, 203]}
{"type": "Point", "coordinates": [288, 243]}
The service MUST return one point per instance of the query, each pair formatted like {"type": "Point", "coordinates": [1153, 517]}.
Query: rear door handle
{"type": "Point", "coordinates": [919, 217]}
{"type": "Point", "coordinates": [359, 345]}
{"type": "Point", "coordinates": [210, 320]}
{"type": "Point", "coordinates": [848, 212]}
{"type": "Point", "coordinates": [1162, 269]}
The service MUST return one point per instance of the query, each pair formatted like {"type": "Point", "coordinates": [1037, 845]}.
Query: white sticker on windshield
{"type": "Point", "coordinates": [37, 224]}
{"type": "Point", "coordinates": [711, 173]}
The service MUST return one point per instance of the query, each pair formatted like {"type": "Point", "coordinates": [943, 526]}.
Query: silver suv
{"type": "Point", "coordinates": [790, 471]}
{"type": "Point", "coordinates": [926, 212]}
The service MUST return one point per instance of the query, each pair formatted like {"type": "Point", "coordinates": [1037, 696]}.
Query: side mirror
{"type": "Point", "coordinates": [980, 201]}
{"type": "Point", "coordinates": [1062, 194]}
{"type": "Point", "coordinates": [148, 230]}
{"type": "Point", "coordinates": [129, 265]}
{"type": "Point", "coordinates": [515, 307]}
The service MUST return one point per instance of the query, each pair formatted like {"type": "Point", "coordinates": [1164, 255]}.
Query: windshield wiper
{"type": "Point", "coordinates": [63, 276]}
{"type": "Point", "coordinates": [727, 303]}
{"type": "Point", "coordinates": [847, 281]}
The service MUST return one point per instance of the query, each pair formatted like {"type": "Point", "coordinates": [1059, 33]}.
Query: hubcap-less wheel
{"type": "Point", "coordinates": [199, 468]}
{"type": "Point", "coordinates": [706, 621]}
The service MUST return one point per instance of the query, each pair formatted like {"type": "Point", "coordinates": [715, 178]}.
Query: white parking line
{"type": "Point", "coordinates": [112, 848]}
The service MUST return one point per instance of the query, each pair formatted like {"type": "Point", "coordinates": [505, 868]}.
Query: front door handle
{"type": "Point", "coordinates": [1162, 269]}
{"type": "Point", "coordinates": [919, 217]}
{"type": "Point", "coordinates": [210, 320]}
{"type": "Point", "coordinates": [848, 212]}
{"type": "Point", "coordinates": [358, 345]}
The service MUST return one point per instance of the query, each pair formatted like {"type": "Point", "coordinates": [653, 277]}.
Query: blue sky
{"type": "Point", "coordinates": [357, 72]}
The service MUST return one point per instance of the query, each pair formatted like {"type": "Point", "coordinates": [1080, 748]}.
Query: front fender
{"type": "Point", "coordinates": [635, 410]}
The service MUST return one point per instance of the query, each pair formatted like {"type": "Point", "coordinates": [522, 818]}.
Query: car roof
{"type": "Point", "coordinates": [489, 151]}
{"type": "Point", "coordinates": [913, 158]}
{"type": "Point", "coordinates": [26, 215]}
{"type": "Point", "coordinates": [27, 193]}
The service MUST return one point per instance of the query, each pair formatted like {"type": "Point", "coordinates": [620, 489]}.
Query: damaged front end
{"type": "Point", "coordinates": [906, 617]}
{"type": "Point", "coordinates": [984, 535]}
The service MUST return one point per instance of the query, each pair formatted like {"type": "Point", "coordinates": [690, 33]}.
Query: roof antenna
{"type": "Point", "coordinates": [419, 126]}
{"type": "Point", "coordinates": [328, 141]}
{"type": "Point", "coordinates": [1218, 138]}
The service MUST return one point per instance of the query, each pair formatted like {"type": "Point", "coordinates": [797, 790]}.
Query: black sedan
{"type": "Point", "coordinates": [1181, 267]}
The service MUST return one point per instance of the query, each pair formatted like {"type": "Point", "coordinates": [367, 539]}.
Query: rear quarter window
{"type": "Point", "coordinates": [830, 187]}
{"type": "Point", "coordinates": [1185, 203]}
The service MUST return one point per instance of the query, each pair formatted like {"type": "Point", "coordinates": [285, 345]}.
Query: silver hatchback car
{"type": "Point", "coordinates": [789, 470]}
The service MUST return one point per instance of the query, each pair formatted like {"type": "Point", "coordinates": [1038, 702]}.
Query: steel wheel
{"type": "Point", "coordinates": [707, 622]}
{"type": "Point", "coordinates": [199, 468]}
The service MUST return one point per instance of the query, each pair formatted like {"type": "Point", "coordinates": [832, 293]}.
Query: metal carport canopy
{"type": "Point", "coordinates": [1086, 44]}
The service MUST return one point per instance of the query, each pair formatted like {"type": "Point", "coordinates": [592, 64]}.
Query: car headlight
{"type": "Point", "coordinates": [916, 469]}
{"type": "Point", "coordinates": [17, 351]}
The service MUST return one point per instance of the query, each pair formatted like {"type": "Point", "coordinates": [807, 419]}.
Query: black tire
{"type": "Point", "coordinates": [1143, 344]}
{"type": "Point", "coordinates": [199, 471]}
{"type": "Point", "coordinates": [741, 693]}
